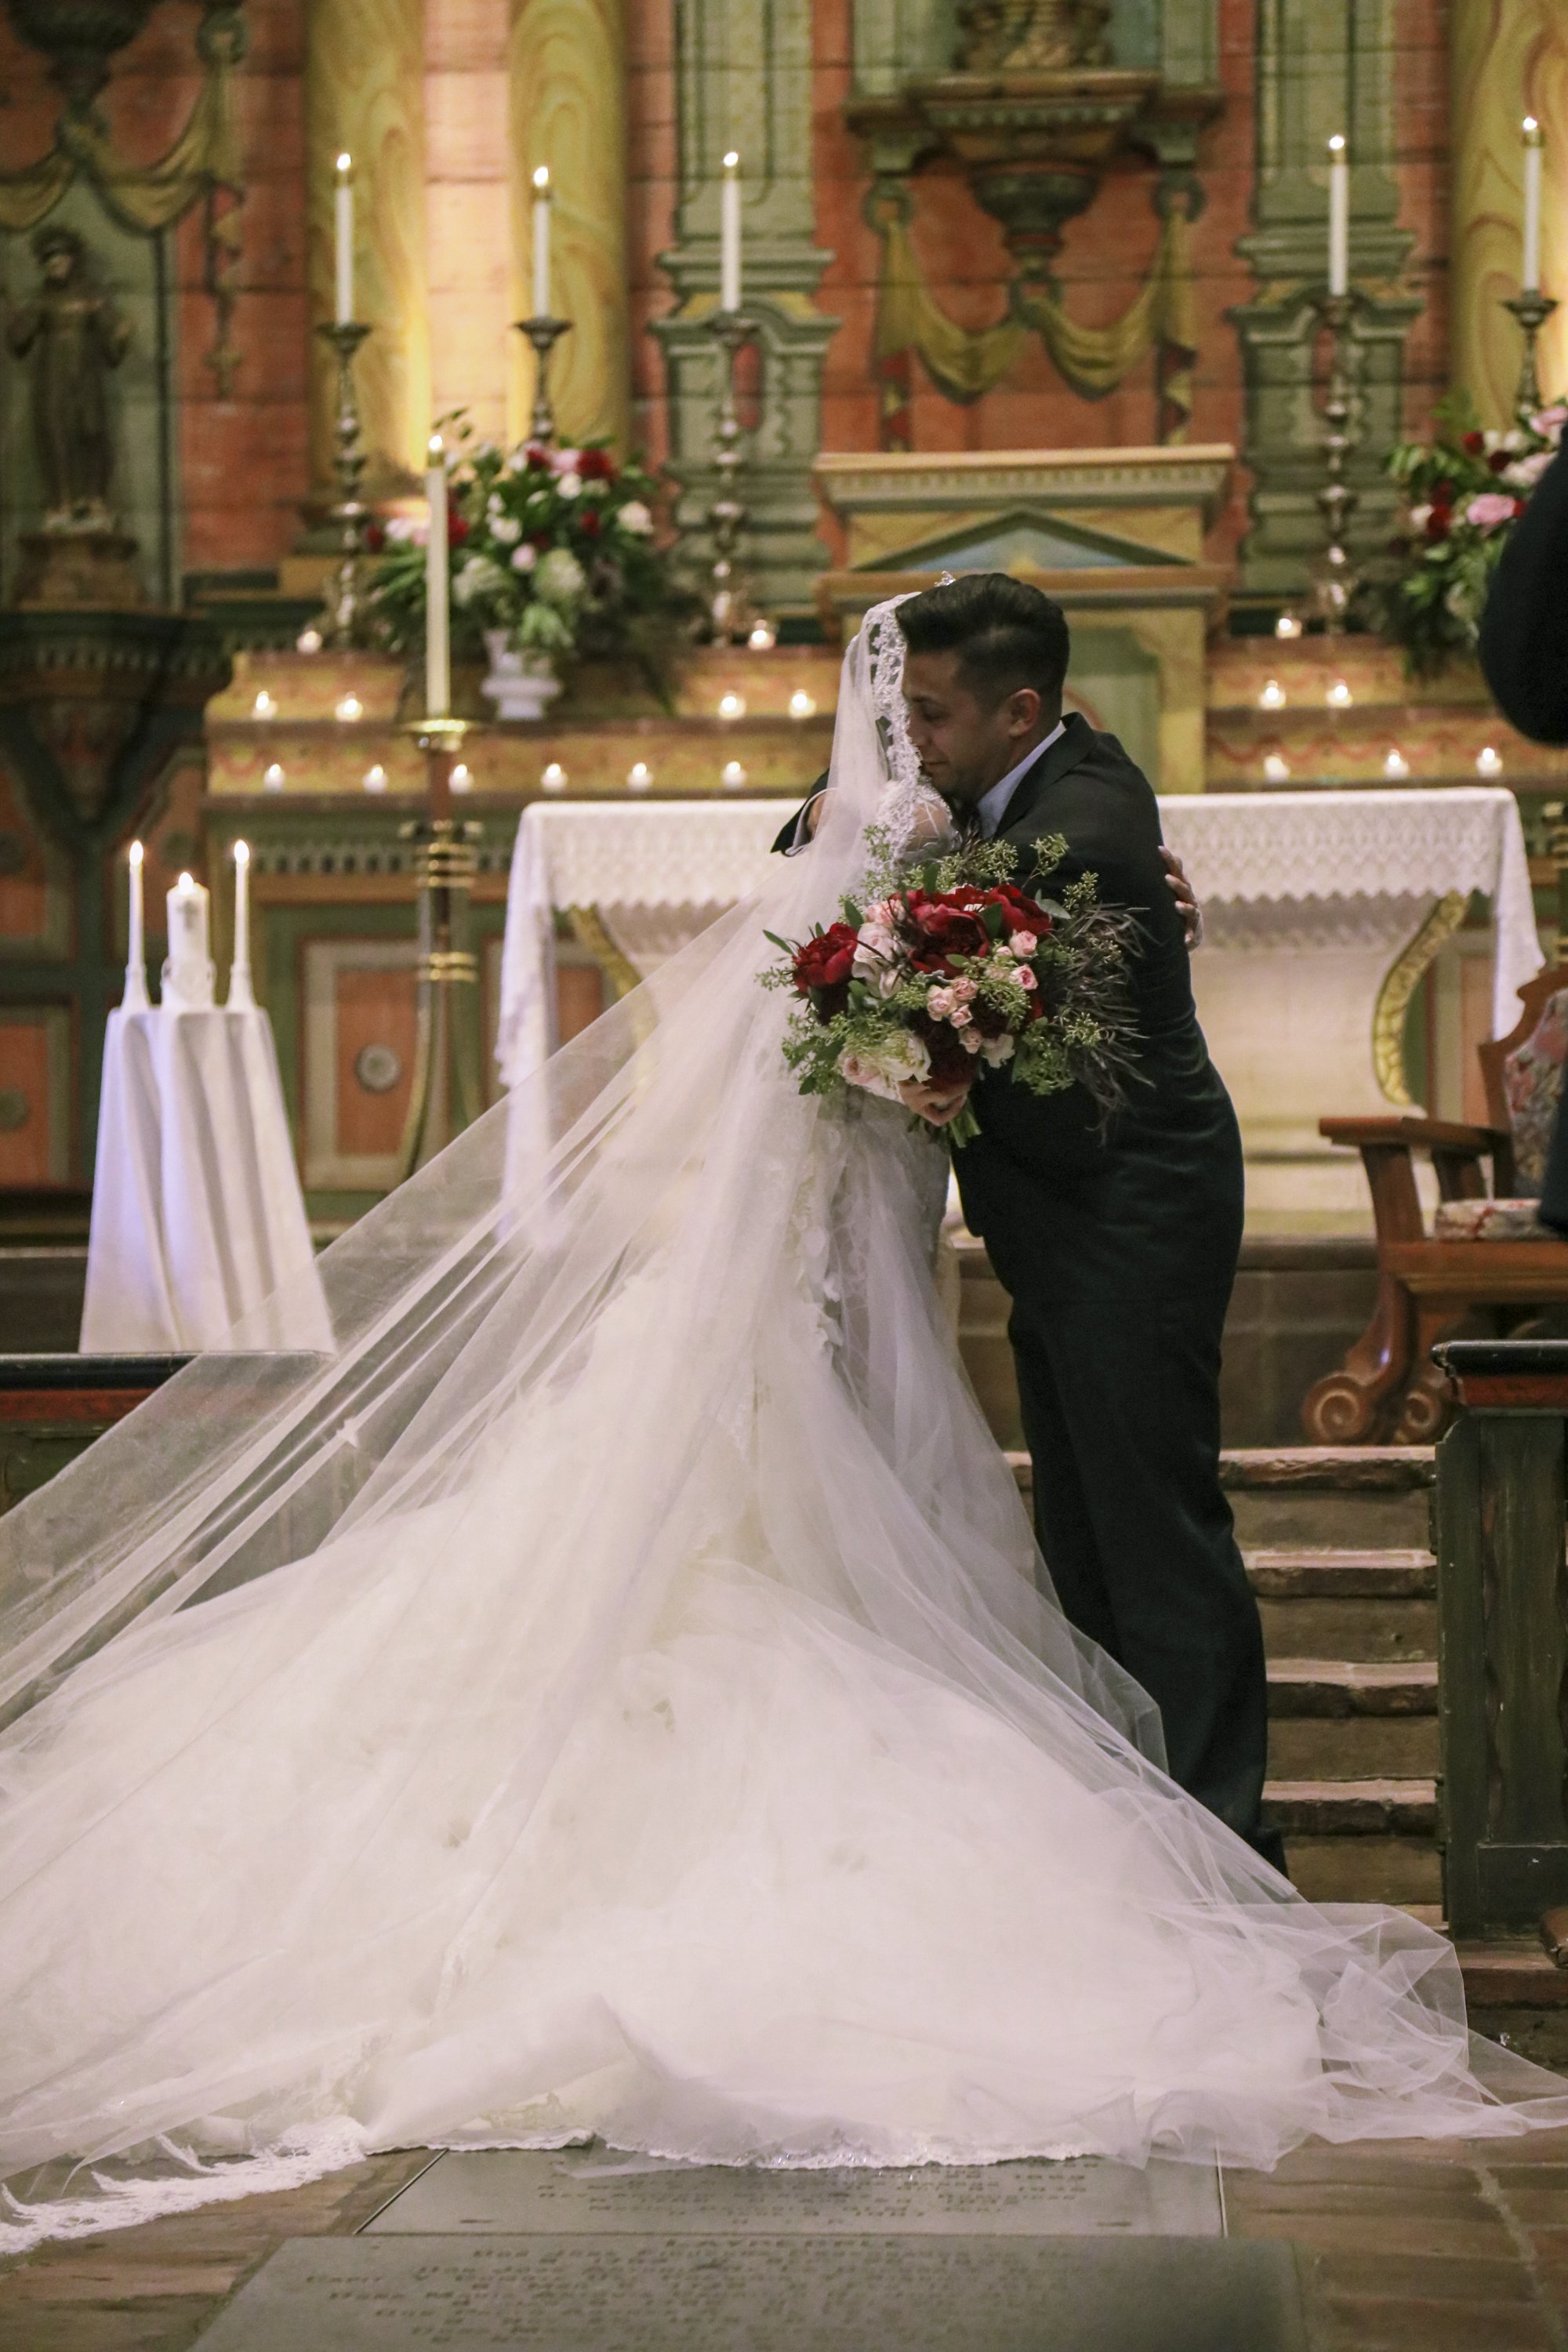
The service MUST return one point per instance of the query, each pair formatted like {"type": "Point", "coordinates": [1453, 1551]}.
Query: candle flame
{"type": "Point", "coordinates": [435, 450]}
{"type": "Point", "coordinates": [242, 853]}
{"type": "Point", "coordinates": [732, 160]}
{"type": "Point", "coordinates": [345, 165]}
{"type": "Point", "coordinates": [1532, 132]}
{"type": "Point", "coordinates": [137, 853]}
{"type": "Point", "coordinates": [542, 178]}
{"type": "Point", "coordinates": [1336, 144]}
{"type": "Point", "coordinates": [186, 883]}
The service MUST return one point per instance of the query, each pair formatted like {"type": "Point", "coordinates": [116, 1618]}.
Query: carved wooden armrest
{"type": "Point", "coordinates": [1456, 1150]}
{"type": "Point", "coordinates": [1399, 1127]}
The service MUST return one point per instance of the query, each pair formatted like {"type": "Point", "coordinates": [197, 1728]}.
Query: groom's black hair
{"type": "Point", "coordinates": [1006, 634]}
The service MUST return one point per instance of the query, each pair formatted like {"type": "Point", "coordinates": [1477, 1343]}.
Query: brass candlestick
{"type": "Point", "coordinates": [728, 619]}
{"type": "Point", "coordinates": [445, 1096]}
{"type": "Point", "coordinates": [1532, 309]}
{"type": "Point", "coordinates": [543, 333]}
{"type": "Point", "coordinates": [1335, 578]}
{"type": "Point", "coordinates": [343, 618]}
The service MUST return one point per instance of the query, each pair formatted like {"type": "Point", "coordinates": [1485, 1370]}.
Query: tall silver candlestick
{"type": "Point", "coordinates": [343, 618]}
{"type": "Point", "coordinates": [1531, 309]}
{"type": "Point", "coordinates": [727, 608]}
{"type": "Point", "coordinates": [1334, 576]}
{"type": "Point", "coordinates": [543, 333]}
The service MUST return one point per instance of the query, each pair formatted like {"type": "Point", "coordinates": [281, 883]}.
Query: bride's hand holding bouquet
{"type": "Point", "coordinates": [953, 969]}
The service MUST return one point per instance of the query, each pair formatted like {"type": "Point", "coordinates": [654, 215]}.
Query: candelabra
{"type": "Point", "coordinates": [727, 620]}
{"type": "Point", "coordinates": [343, 618]}
{"type": "Point", "coordinates": [543, 333]}
{"type": "Point", "coordinates": [1334, 578]}
{"type": "Point", "coordinates": [1532, 309]}
{"type": "Point", "coordinates": [445, 1097]}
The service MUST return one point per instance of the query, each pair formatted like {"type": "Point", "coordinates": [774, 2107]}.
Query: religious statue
{"type": "Point", "coordinates": [1031, 35]}
{"type": "Point", "coordinates": [75, 335]}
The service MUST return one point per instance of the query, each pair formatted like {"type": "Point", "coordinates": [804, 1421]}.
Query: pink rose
{"type": "Point", "coordinates": [1025, 978]}
{"type": "Point", "coordinates": [1490, 510]}
{"type": "Point", "coordinates": [1025, 944]}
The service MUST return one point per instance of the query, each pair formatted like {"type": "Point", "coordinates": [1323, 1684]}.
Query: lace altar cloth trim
{"type": "Point", "coordinates": [1238, 848]}
{"type": "Point", "coordinates": [1373, 845]}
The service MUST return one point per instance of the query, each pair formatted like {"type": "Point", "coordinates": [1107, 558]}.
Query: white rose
{"type": "Point", "coordinates": [479, 575]}
{"type": "Point", "coordinates": [569, 484]}
{"type": "Point", "coordinates": [506, 529]}
{"type": "Point", "coordinates": [635, 517]}
{"type": "Point", "coordinates": [559, 579]}
{"type": "Point", "coordinates": [996, 1050]}
{"type": "Point", "coordinates": [524, 558]}
{"type": "Point", "coordinates": [406, 527]}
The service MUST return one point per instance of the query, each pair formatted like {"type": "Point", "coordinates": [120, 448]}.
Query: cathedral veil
{"type": "Point", "coordinates": [612, 1693]}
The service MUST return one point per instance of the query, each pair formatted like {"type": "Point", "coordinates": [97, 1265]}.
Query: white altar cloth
{"type": "Point", "coordinates": [1321, 851]}
{"type": "Point", "coordinates": [1320, 848]}
{"type": "Point", "coordinates": [197, 1215]}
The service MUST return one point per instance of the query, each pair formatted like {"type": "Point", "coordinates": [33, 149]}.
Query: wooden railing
{"type": "Point", "coordinates": [1500, 1523]}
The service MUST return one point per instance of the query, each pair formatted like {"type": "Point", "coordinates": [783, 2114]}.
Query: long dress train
{"type": "Point", "coordinates": [611, 1694]}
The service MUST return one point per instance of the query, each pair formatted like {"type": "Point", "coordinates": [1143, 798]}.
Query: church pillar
{"type": "Point", "coordinates": [1324, 65]}
{"type": "Point", "coordinates": [1509, 58]}
{"type": "Point", "coordinates": [364, 93]}
{"type": "Point", "coordinates": [566, 70]}
{"type": "Point", "coordinates": [745, 80]}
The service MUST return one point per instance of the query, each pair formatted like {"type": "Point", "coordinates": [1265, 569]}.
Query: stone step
{"type": "Point", "coordinates": [1339, 1719]}
{"type": "Point", "coordinates": [1357, 1605]}
{"type": "Point", "coordinates": [1359, 1840]}
{"type": "Point", "coordinates": [1374, 1497]}
{"type": "Point", "coordinates": [1516, 1996]}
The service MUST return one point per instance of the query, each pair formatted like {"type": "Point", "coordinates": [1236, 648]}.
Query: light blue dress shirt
{"type": "Point", "coordinates": [993, 808]}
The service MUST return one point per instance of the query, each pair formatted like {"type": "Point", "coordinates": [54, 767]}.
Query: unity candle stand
{"type": "Point", "coordinates": [344, 619]}
{"type": "Point", "coordinates": [543, 333]}
{"type": "Point", "coordinates": [728, 616]}
{"type": "Point", "coordinates": [1334, 577]}
{"type": "Point", "coordinates": [447, 1094]}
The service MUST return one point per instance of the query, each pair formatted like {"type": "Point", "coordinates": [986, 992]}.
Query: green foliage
{"type": "Point", "coordinates": [1463, 490]}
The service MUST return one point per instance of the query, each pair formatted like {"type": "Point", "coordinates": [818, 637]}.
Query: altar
{"type": "Point", "coordinates": [1323, 913]}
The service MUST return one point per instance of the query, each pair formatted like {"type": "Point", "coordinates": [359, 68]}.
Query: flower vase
{"type": "Point", "coordinates": [522, 683]}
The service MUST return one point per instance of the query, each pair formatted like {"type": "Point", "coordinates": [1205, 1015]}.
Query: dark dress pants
{"type": "Point", "coordinates": [1120, 1410]}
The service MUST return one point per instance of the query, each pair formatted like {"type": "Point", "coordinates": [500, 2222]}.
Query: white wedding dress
{"type": "Point", "coordinates": [611, 1696]}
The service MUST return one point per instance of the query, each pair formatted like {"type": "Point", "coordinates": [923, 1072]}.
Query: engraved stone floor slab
{"type": "Point", "coordinates": [628, 2293]}
{"type": "Point", "coordinates": [508, 2191]}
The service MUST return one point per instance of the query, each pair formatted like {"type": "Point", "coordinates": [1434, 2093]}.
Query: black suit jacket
{"type": "Point", "coordinates": [1524, 628]}
{"type": "Point", "coordinates": [1150, 1205]}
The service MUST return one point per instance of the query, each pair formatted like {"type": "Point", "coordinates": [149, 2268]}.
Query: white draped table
{"type": "Point", "coordinates": [1323, 911]}
{"type": "Point", "coordinates": [197, 1215]}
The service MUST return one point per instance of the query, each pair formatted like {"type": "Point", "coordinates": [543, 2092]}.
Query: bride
{"type": "Point", "coordinates": [611, 1694]}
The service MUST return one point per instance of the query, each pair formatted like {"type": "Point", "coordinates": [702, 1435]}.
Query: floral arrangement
{"type": "Point", "coordinates": [1462, 491]}
{"type": "Point", "coordinates": [955, 966]}
{"type": "Point", "coordinates": [557, 547]}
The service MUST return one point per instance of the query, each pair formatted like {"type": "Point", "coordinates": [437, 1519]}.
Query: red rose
{"type": "Point", "coordinates": [943, 927]}
{"type": "Point", "coordinates": [1445, 494]}
{"type": "Point", "coordinates": [1518, 508]}
{"type": "Point", "coordinates": [457, 528]}
{"type": "Point", "coordinates": [1473, 443]}
{"type": "Point", "coordinates": [949, 1064]}
{"type": "Point", "coordinates": [539, 539]}
{"type": "Point", "coordinates": [596, 466]}
{"type": "Point", "coordinates": [1438, 523]}
{"type": "Point", "coordinates": [374, 538]}
{"type": "Point", "coordinates": [536, 457]}
{"type": "Point", "coordinates": [1498, 462]}
{"type": "Point", "coordinates": [823, 966]}
{"type": "Point", "coordinates": [588, 524]}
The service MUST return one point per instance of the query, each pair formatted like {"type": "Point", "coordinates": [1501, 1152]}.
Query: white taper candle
{"type": "Point", "coordinates": [188, 969]}
{"type": "Point", "coordinates": [135, 998]}
{"type": "Point", "coordinates": [344, 222]}
{"type": "Point", "coordinates": [541, 242]}
{"type": "Point", "coordinates": [729, 234]}
{"type": "Point", "coordinates": [241, 996]}
{"type": "Point", "coordinates": [1530, 269]}
{"type": "Point", "coordinates": [438, 647]}
{"type": "Point", "coordinates": [1339, 216]}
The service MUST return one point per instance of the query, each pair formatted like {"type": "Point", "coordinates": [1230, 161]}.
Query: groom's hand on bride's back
{"type": "Point", "coordinates": [1181, 889]}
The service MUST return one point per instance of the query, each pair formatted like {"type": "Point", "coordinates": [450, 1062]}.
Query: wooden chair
{"type": "Point", "coordinates": [1487, 1261]}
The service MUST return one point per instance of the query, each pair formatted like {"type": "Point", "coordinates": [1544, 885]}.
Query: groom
{"type": "Point", "coordinates": [1118, 1246]}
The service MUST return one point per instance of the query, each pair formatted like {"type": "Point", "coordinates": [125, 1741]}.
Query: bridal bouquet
{"type": "Point", "coordinates": [954, 967]}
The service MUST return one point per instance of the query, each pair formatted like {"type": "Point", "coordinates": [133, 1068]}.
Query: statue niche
{"type": "Point", "coordinates": [73, 336]}
{"type": "Point", "coordinates": [1031, 35]}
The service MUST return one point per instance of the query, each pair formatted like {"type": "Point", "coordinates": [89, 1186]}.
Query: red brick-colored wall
{"type": "Point", "coordinates": [244, 461]}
